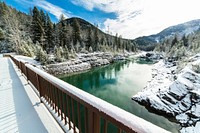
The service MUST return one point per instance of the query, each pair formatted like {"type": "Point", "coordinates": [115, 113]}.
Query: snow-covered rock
{"type": "Point", "coordinates": [191, 129]}
{"type": "Point", "coordinates": [67, 67]}
{"type": "Point", "coordinates": [150, 56]}
{"type": "Point", "coordinates": [172, 95]}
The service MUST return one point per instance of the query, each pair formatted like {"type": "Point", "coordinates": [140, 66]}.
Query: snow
{"type": "Point", "coordinates": [196, 110]}
{"type": "Point", "coordinates": [196, 92]}
{"type": "Point", "coordinates": [178, 96]}
{"type": "Point", "coordinates": [134, 122]}
{"type": "Point", "coordinates": [26, 59]}
{"type": "Point", "coordinates": [20, 109]}
{"type": "Point", "coordinates": [182, 118]}
{"type": "Point", "coordinates": [192, 129]}
{"type": "Point", "coordinates": [178, 89]}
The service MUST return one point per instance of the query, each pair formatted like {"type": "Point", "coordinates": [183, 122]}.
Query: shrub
{"type": "Point", "coordinates": [41, 55]}
{"type": "Point", "coordinates": [196, 68]}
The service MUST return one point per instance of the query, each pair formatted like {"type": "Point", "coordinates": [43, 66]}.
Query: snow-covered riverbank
{"type": "Point", "coordinates": [84, 62]}
{"type": "Point", "coordinates": [174, 95]}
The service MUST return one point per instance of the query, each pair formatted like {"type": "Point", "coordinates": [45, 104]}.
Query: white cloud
{"type": "Point", "coordinates": [53, 9]}
{"type": "Point", "coordinates": [143, 17]}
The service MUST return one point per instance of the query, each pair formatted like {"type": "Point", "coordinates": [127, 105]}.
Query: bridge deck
{"type": "Point", "coordinates": [20, 108]}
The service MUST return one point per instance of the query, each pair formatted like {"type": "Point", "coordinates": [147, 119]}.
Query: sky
{"type": "Point", "coordinates": [129, 18]}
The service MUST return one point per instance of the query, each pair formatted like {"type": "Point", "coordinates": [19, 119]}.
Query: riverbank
{"type": "Point", "coordinates": [83, 62]}
{"type": "Point", "coordinates": [175, 95]}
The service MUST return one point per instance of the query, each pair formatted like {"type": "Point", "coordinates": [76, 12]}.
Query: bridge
{"type": "Point", "coordinates": [73, 109]}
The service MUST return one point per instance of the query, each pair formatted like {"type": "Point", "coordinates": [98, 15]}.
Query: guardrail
{"type": "Point", "coordinates": [83, 112]}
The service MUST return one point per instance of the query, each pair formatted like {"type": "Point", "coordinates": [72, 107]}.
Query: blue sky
{"type": "Point", "coordinates": [68, 8]}
{"type": "Point", "coordinates": [129, 18]}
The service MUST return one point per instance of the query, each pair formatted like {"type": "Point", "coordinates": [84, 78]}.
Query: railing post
{"type": "Point", "coordinates": [27, 77]}
{"type": "Point", "coordinates": [25, 69]}
{"type": "Point", "coordinates": [90, 121]}
{"type": "Point", "coordinates": [21, 67]}
{"type": "Point", "coordinates": [39, 87]}
{"type": "Point", "coordinates": [105, 126]}
{"type": "Point", "coordinates": [93, 122]}
{"type": "Point", "coordinates": [96, 123]}
{"type": "Point", "coordinates": [119, 130]}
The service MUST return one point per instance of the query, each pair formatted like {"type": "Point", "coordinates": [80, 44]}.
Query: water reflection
{"type": "Point", "coordinates": [98, 77]}
{"type": "Point", "coordinates": [116, 84]}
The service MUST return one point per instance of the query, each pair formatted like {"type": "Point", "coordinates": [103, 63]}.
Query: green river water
{"type": "Point", "coordinates": [116, 84]}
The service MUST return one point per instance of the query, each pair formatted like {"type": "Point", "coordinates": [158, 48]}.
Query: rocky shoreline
{"type": "Point", "coordinates": [84, 62]}
{"type": "Point", "coordinates": [174, 95]}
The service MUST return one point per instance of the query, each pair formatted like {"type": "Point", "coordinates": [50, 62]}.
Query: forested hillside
{"type": "Point", "coordinates": [178, 47]}
{"type": "Point", "coordinates": [34, 34]}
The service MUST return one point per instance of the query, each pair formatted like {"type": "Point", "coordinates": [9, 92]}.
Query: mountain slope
{"type": "Point", "coordinates": [80, 35]}
{"type": "Point", "coordinates": [180, 29]}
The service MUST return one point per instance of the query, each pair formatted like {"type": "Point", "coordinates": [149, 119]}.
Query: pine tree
{"type": "Point", "coordinates": [43, 18]}
{"type": "Point", "coordinates": [62, 18]}
{"type": "Point", "coordinates": [89, 39]}
{"type": "Point", "coordinates": [115, 44]}
{"type": "Point", "coordinates": [37, 28]}
{"type": "Point", "coordinates": [1, 34]}
{"type": "Point", "coordinates": [3, 8]}
{"type": "Point", "coordinates": [119, 42]}
{"type": "Point", "coordinates": [96, 39]}
{"type": "Point", "coordinates": [185, 40]}
{"type": "Point", "coordinates": [65, 53]}
{"type": "Point", "coordinates": [49, 33]}
{"type": "Point", "coordinates": [62, 34]}
{"type": "Point", "coordinates": [58, 53]}
{"type": "Point", "coordinates": [56, 40]}
{"type": "Point", "coordinates": [43, 23]}
{"type": "Point", "coordinates": [76, 34]}
{"type": "Point", "coordinates": [174, 41]}
{"type": "Point", "coordinates": [41, 55]}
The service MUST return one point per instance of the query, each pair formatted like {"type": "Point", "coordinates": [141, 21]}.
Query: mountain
{"type": "Point", "coordinates": [20, 32]}
{"type": "Point", "coordinates": [180, 29]}
{"type": "Point", "coordinates": [84, 25]}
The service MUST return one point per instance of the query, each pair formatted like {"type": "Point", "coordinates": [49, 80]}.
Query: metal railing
{"type": "Point", "coordinates": [82, 111]}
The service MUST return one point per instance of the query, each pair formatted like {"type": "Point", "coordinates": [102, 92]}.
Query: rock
{"type": "Point", "coordinates": [177, 90]}
{"type": "Point", "coordinates": [191, 129]}
{"type": "Point", "coordinates": [177, 97]}
{"type": "Point", "coordinates": [169, 99]}
{"type": "Point", "coordinates": [152, 56]}
{"type": "Point", "coordinates": [99, 62]}
{"type": "Point", "coordinates": [119, 57]}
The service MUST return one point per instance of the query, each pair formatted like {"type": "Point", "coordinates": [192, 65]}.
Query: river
{"type": "Point", "coordinates": [116, 84]}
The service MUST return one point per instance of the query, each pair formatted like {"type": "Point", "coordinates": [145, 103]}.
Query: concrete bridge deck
{"type": "Point", "coordinates": [20, 108]}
